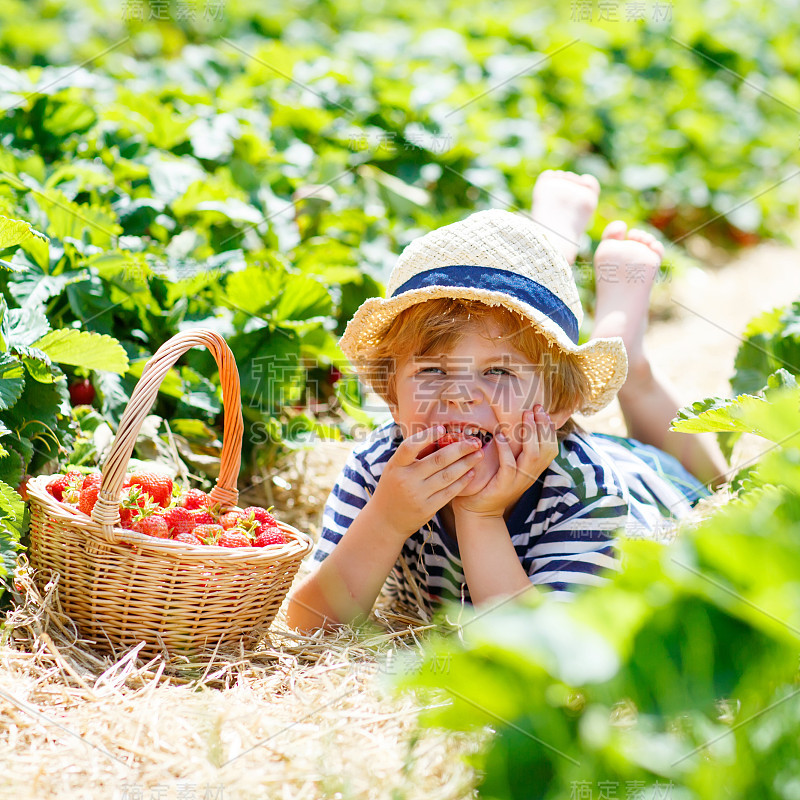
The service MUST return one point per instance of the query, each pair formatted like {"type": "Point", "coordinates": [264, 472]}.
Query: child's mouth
{"type": "Point", "coordinates": [484, 437]}
{"type": "Point", "coordinates": [457, 435]}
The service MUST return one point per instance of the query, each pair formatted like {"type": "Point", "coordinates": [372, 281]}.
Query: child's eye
{"type": "Point", "coordinates": [438, 370]}
{"type": "Point", "coordinates": [499, 371]}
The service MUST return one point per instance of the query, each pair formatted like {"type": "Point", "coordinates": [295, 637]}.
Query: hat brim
{"type": "Point", "coordinates": [603, 361]}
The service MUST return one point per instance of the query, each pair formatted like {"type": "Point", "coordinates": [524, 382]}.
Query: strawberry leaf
{"type": "Point", "coordinates": [16, 231]}
{"type": "Point", "coordinates": [12, 380]}
{"type": "Point", "coordinates": [84, 349]}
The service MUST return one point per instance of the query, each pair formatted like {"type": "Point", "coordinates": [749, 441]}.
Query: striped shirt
{"type": "Point", "coordinates": [562, 528]}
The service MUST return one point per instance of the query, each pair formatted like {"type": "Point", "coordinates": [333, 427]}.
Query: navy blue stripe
{"type": "Point", "coordinates": [498, 280]}
{"type": "Point", "coordinates": [561, 537]}
{"type": "Point", "coordinates": [569, 565]}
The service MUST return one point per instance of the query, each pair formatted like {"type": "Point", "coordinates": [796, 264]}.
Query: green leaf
{"type": "Point", "coordinates": [194, 429]}
{"type": "Point", "coordinates": [114, 395]}
{"type": "Point", "coordinates": [68, 219]}
{"type": "Point", "coordinates": [400, 196]}
{"type": "Point", "coordinates": [283, 296]}
{"type": "Point", "coordinates": [70, 118]}
{"type": "Point", "coordinates": [13, 523]}
{"type": "Point", "coordinates": [713, 415]}
{"type": "Point", "coordinates": [16, 231]}
{"type": "Point", "coordinates": [84, 349]}
{"type": "Point", "coordinates": [34, 288]}
{"type": "Point", "coordinates": [12, 380]}
{"type": "Point", "coordinates": [39, 366]}
{"type": "Point", "coordinates": [255, 290]}
{"type": "Point", "coordinates": [12, 467]}
{"type": "Point", "coordinates": [171, 385]}
{"type": "Point", "coordinates": [302, 298]}
{"type": "Point", "coordinates": [776, 419]}
{"type": "Point", "coordinates": [771, 342]}
{"type": "Point", "coordinates": [781, 379]}
{"type": "Point", "coordinates": [26, 325]}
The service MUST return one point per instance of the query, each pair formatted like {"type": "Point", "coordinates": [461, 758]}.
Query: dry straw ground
{"type": "Point", "coordinates": [300, 717]}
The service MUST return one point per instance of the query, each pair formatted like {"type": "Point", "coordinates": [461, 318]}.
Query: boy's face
{"type": "Point", "coordinates": [483, 381]}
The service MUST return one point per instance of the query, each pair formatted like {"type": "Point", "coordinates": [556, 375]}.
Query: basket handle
{"type": "Point", "coordinates": [106, 510]}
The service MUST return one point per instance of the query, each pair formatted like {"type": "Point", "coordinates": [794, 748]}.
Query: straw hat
{"type": "Point", "coordinates": [499, 258]}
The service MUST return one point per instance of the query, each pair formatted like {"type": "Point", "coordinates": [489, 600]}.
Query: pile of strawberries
{"type": "Point", "coordinates": [151, 504]}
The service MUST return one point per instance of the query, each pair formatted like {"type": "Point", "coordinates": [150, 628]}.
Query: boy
{"type": "Point", "coordinates": [477, 342]}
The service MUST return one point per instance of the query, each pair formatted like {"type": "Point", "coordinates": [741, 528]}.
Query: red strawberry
{"type": "Point", "coordinates": [444, 440]}
{"type": "Point", "coordinates": [269, 535]}
{"type": "Point", "coordinates": [158, 486]}
{"type": "Point", "coordinates": [233, 538]}
{"type": "Point", "coordinates": [188, 538]}
{"type": "Point", "coordinates": [133, 500]}
{"type": "Point", "coordinates": [448, 438]}
{"type": "Point", "coordinates": [195, 498]}
{"type": "Point", "coordinates": [230, 519]}
{"type": "Point", "coordinates": [60, 482]}
{"type": "Point", "coordinates": [179, 520]}
{"type": "Point", "coordinates": [208, 533]}
{"type": "Point", "coordinates": [81, 393]}
{"type": "Point", "coordinates": [89, 491]}
{"type": "Point", "coordinates": [261, 514]}
{"type": "Point", "coordinates": [152, 525]}
{"type": "Point", "coordinates": [202, 516]}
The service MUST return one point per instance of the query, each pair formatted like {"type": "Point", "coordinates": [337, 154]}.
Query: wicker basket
{"type": "Point", "coordinates": [122, 587]}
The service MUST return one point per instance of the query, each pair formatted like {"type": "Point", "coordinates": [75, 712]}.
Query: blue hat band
{"type": "Point", "coordinates": [498, 280]}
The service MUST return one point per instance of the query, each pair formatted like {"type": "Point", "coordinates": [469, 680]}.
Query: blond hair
{"type": "Point", "coordinates": [436, 326]}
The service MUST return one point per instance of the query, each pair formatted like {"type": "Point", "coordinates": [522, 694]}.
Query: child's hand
{"type": "Point", "coordinates": [515, 476]}
{"type": "Point", "coordinates": [411, 490]}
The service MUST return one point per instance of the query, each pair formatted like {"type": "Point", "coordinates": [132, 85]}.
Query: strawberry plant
{"type": "Point", "coordinates": [37, 428]}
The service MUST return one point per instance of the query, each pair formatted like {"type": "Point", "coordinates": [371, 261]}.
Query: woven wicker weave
{"type": "Point", "coordinates": [122, 587]}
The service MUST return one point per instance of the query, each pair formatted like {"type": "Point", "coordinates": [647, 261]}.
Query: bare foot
{"type": "Point", "coordinates": [625, 266]}
{"type": "Point", "coordinates": [563, 204]}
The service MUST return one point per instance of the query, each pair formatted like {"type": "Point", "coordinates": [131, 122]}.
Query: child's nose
{"type": "Point", "coordinates": [462, 390]}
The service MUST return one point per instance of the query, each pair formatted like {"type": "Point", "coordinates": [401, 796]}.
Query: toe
{"type": "Point", "coordinates": [615, 230]}
{"type": "Point", "coordinates": [570, 176]}
{"type": "Point", "coordinates": [645, 238]}
{"type": "Point", "coordinates": [590, 182]}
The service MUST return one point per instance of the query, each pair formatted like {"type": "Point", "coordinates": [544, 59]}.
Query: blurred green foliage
{"type": "Point", "coordinates": [678, 677]}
